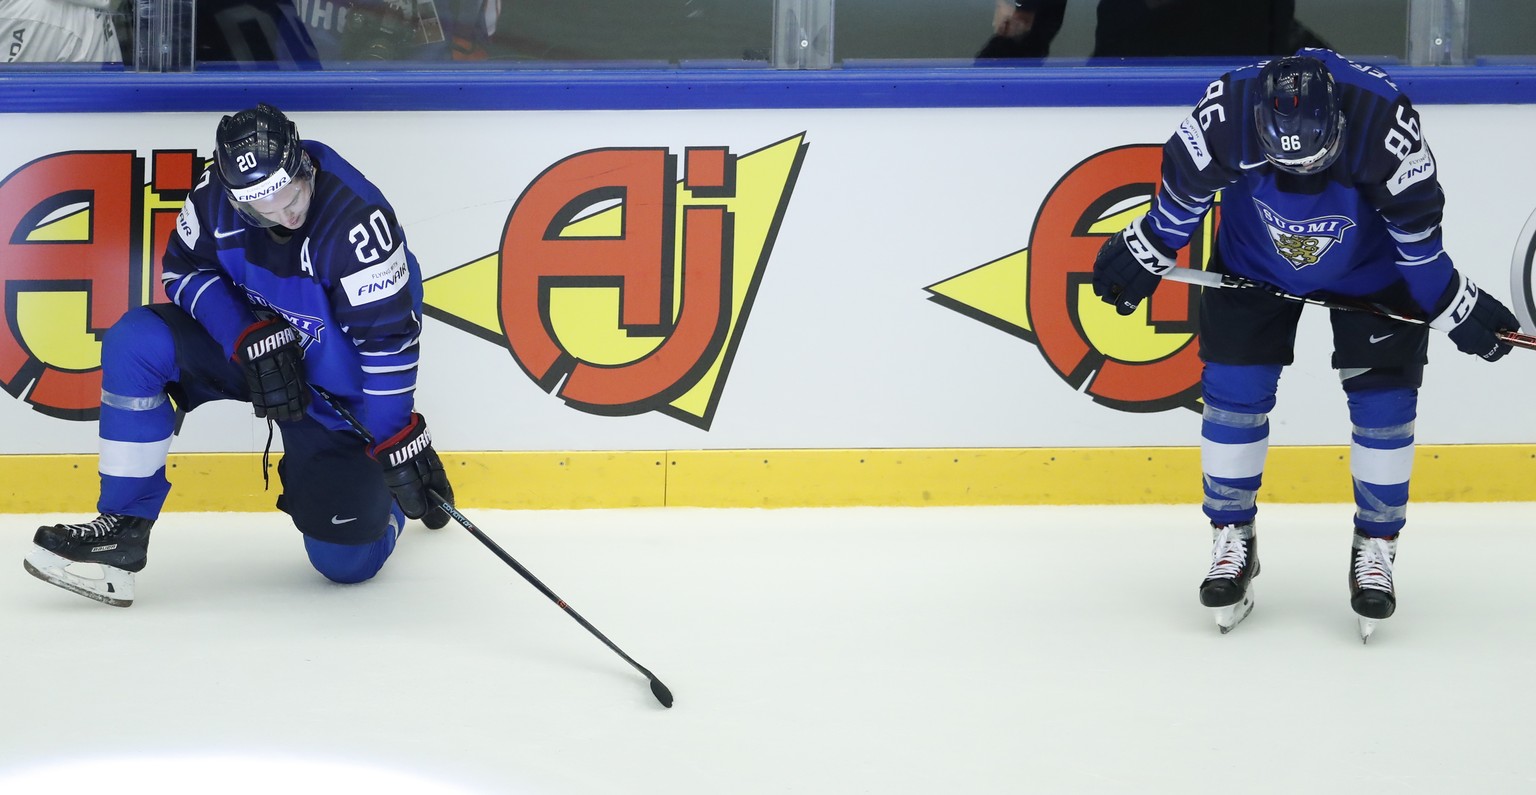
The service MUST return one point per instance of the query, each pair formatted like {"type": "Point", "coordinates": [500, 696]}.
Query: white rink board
{"type": "Point", "coordinates": [842, 348]}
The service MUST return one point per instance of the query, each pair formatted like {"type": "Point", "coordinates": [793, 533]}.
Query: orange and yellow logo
{"type": "Point", "coordinates": [80, 234]}
{"type": "Point", "coordinates": [623, 289]}
{"type": "Point", "coordinates": [618, 286]}
{"type": "Point", "coordinates": [1146, 361]}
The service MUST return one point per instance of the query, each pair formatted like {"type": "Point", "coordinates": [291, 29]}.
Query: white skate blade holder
{"type": "Point", "coordinates": [105, 584]}
{"type": "Point", "coordinates": [1230, 616]}
{"type": "Point", "coordinates": [1367, 626]}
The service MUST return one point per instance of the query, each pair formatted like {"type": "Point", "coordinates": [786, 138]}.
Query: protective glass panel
{"type": "Point", "coordinates": [383, 34]}
{"type": "Point", "coordinates": [1501, 31]}
{"type": "Point", "coordinates": [1372, 31]}
{"type": "Point", "coordinates": [1111, 32]}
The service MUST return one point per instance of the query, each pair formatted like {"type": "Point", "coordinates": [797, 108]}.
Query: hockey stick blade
{"type": "Point", "coordinates": [1209, 279]}
{"type": "Point", "coordinates": [658, 689]}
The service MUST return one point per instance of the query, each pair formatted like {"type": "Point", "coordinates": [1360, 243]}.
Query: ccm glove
{"type": "Point", "coordinates": [1473, 320]}
{"type": "Point", "coordinates": [269, 353]}
{"type": "Point", "coordinates": [411, 468]}
{"type": "Point", "coordinates": [1129, 267]}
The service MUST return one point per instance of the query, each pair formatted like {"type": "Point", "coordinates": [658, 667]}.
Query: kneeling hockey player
{"type": "Point", "coordinates": [292, 289]}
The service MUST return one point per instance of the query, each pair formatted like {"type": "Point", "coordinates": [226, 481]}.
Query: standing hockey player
{"type": "Point", "coordinates": [1328, 188]}
{"type": "Point", "coordinates": [292, 288]}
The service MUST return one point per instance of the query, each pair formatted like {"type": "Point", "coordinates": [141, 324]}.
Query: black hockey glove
{"type": "Point", "coordinates": [269, 353]}
{"type": "Point", "coordinates": [1473, 320]}
{"type": "Point", "coordinates": [1129, 267]}
{"type": "Point", "coordinates": [411, 467]}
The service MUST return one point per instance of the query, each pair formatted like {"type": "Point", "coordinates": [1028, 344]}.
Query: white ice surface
{"type": "Point", "coordinates": [938, 650]}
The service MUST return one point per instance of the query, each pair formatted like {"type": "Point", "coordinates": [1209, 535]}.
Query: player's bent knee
{"type": "Point", "coordinates": [136, 324]}
{"type": "Point", "coordinates": [141, 336]}
{"type": "Point", "coordinates": [349, 563]}
{"type": "Point", "coordinates": [1248, 389]}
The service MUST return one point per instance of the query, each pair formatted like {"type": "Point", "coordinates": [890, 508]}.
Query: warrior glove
{"type": "Point", "coordinates": [1129, 267]}
{"type": "Point", "coordinates": [269, 353]}
{"type": "Point", "coordinates": [411, 469]}
{"type": "Point", "coordinates": [1473, 320]}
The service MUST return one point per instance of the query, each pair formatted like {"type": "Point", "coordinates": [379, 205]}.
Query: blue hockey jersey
{"type": "Point", "coordinates": [1369, 221]}
{"type": "Point", "coordinates": [345, 279]}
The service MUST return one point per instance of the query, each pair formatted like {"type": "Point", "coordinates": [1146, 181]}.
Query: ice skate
{"type": "Point", "coordinates": [1370, 581]}
{"type": "Point", "coordinates": [96, 559]}
{"type": "Point", "coordinates": [1228, 588]}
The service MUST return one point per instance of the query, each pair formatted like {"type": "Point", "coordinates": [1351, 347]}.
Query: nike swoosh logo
{"type": "Point", "coordinates": [1375, 339]}
{"type": "Point", "coordinates": [339, 520]}
{"type": "Point", "coordinates": [220, 234]}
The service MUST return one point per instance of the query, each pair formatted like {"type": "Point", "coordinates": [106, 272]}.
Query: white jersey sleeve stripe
{"type": "Point", "coordinates": [1411, 237]}
{"type": "Point", "coordinates": [1192, 204]}
{"type": "Point", "coordinates": [401, 349]}
{"type": "Point", "coordinates": [192, 307]}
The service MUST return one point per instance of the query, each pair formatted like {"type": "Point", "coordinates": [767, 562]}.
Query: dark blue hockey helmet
{"type": "Point", "coordinates": [257, 153]}
{"type": "Point", "coordinates": [1297, 115]}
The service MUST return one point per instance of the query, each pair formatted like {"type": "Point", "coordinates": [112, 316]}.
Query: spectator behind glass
{"type": "Point", "coordinates": [312, 33]}
{"type": "Point", "coordinates": [1024, 28]}
{"type": "Point", "coordinates": [1155, 28]}
{"type": "Point", "coordinates": [59, 31]}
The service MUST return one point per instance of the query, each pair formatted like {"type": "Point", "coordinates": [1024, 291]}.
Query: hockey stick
{"type": "Point", "coordinates": [1209, 279]}
{"type": "Point", "coordinates": [658, 689]}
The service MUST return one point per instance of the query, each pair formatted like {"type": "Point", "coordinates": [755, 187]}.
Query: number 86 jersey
{"type": "Point", "coordinates": [1368, 221]}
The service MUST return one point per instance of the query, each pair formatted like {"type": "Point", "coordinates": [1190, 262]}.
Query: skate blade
{"type": "Point", "coordinates": [1366, 626]}
{"type": "Point", "coordinates": [1227, 618]}
{"type": "Point", "coordinates": [114, 587]}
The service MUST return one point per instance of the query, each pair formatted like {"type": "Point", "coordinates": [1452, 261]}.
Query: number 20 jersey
{"type": "Point", "coordinates": [1369, 221]}
{"type": "Point", "coordinates": [345, 280]}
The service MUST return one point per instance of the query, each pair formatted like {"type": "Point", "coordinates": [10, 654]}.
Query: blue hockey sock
{"type": "Point", "coordinates": [1381, 457]}
{"type": "Point", "coordinates": [138, 359]}
{"type": "Point", "coordinates": [1234, 438]}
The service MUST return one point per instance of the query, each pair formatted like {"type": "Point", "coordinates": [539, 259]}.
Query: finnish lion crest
{"type": "Point", "coordinates": [1303, 243]}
